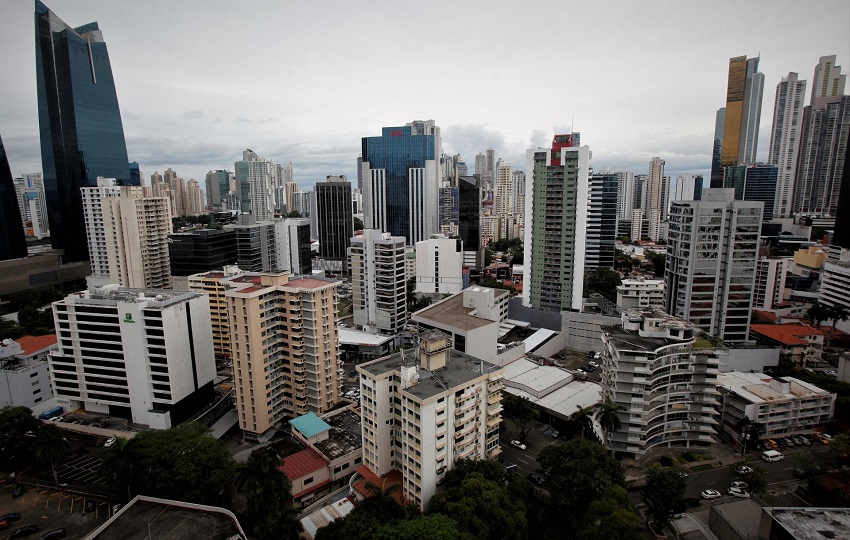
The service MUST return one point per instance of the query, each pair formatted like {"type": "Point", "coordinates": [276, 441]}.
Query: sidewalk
{"type": "Point", "coordinates": [721, 456]}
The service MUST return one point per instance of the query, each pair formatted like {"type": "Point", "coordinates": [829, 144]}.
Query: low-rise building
{"type": "Point", "coordinates": [784, 406]}
{"type": "Point", "coordinates": [804, 522]}
{"type": "Point", "coordinates": [424, 409]}
{"type": "Point", "coordinates": [24, 376]}
{"type": "Point", "coordinates": [663, 381]}
{"type": "Point", "coordinates": [802, 344]}
{"type": "Point", "coordinates": [641, 293]}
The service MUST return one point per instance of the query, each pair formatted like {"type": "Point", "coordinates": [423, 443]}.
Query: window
{"type": "Point", "coordinates": [308, 480]}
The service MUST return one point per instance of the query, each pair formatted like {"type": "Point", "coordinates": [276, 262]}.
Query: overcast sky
{"type": "Point", "coordinates": [199, 81]}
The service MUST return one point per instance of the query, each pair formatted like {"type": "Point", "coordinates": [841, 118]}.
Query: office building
{"type": "Point", "coordinates": [336, 218]}
{"type": "Point", "coordinates": [601, 225]}
{"type": "Point", "coordinates": [711, 261]}
{"type": "Point", "coordinates": [256, 244]}
{"type": "Point", "coordinates": [469, 221]}
{"type": "Point", "coordinates": [785, 141]}
{"type": "Point", "coordinates": [82, 136]}
{"type": "Point", "coordinates": [716, 179]}
{"type": "Point", "coordinates": [378, 281]}
{"type": "Point", "coordinates": [218, 185]}
{"type": "Point", "coordinates": [783, 405]}
{"type": "Point", "coordinates": [439, 265]}
{"type": "Point", "coordinates": [143, 354]}
{"type": "Point", "coordinates": [744, 91]}
{"type": "Point", "coordinates": [29, 191]}
{"type": "Point", "coordinates": [293, 246]}
{"type": "Point", "coordinates": [283, 333]}
{"type": "Point", "coordinates": [192, 252]}
{"type": "Point", "coordinates": [13, 243]}
{"type": "Point", "coordinates": [556, 211]}
{"type": "Point", "coordinates": [663, 384]}
{"type": "Point", "coordinates": [307, 206]}
{"type": "Point", "coordinates": [401, 178]}
{"type": "Point", "coordinates": [445, 406]}
{"type": "Point", "coordinates": [640, 293]}
{"type": "Point", "coordinates": [823, 142]}
{"type": "Point", "coordinates": [254, 178]}
{"type": "Point", "coordinates": [754, 182]}
{"type": "Point", "coordinates": [41, 269]}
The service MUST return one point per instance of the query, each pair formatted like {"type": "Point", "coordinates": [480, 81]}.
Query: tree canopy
{"type": "Point", "coordinates": [664, 493]}
{"type": "Point", "coordinates": [267, 492]}
{"type": "Point", "coordinates": [521, 411]}
{"type": "Point", "coordinates": [603, 281]}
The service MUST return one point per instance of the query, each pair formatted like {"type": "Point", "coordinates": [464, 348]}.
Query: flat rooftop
{"type": "Point", "coordinates": [451, 312]}
{"type": "Point", "coordinates": [813, 523]}
{"type": "Point", "coordinates": [756, 388]}
{"type": "Point", "coordinates": [460, 369]}
{"type": "Point", "coordinates": [169, 520]}
{"type": "Point", "coordinates": [744, 514]}
{"type": "Point", "coordinates": [344, 437]}
{"type": "Point", "coordinates": [349, 336]}
{"type": "Point", "coordinates": [627, 340]}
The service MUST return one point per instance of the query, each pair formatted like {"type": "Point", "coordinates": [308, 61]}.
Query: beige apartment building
{"type": "Point", "coordinates": [214, 284]}
{"type": "Point", "coordinates": [285, 347]}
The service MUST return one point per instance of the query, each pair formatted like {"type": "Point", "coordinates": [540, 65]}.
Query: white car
{"type": "Point", "coordinates": [593, 364]}
{"type": "Point", "coordinates": [736, 492]}
{"type": "Point", "coordinates": [743, 469]}
{"type": "Point", "coordinates": [110, 442]}
{"type": "Point", "coordinates": [518, 445]}
{"type": "Point", "coordinates": [710, 494]}
{"type": "Point", "coordinates": [737, 484]}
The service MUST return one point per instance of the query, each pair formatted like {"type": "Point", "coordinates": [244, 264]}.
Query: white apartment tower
{"type": "Point", "coordinates": [92, 198]}
{"type": "Point", "coordinates": [711, 262]}
{"type": "Point", "coordinates": [625, 194]}
{"type": "Point", "coordinates": [769, 288]}
{"type": "Point", "coordinates": [785, 141]}
{"type": "Point", "coordinates": [663, 385]}
{"type": "Point", "coordinates": [137, 353]}
{"type": "Point", "coordinates": [439, 265]}
{"type": "Point", "coordinates": [424, 409]}
{"type": "Point", "coordinates": [378, 281]}
{"type": "Point", "coordinates": [254, 179]}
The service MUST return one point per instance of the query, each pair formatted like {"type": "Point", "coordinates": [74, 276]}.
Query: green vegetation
{"type": "Point", "coordinates": [183, 221]}
{"type": "Point", "coordinates": [602, 281]}
{"type": "Point", "coordinates": [521, 412]}
{"type": "Point", "coordinates": [664, 493]}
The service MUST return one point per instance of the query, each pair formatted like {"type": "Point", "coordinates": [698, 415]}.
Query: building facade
{"type": "Point", "coordinates": [143, 354]}
{"type": "Point", "coordinates": [378, 281]}
{"type": "Point", "coordinates": [439, 265]}
{"type": "Point", "coordinates": [744, 90]}
{"type": "Point", "coordinates": [254, 179]}
{"type": "Point", "coordinates": [202, 250]}
{"type": "Point", "coordinates": [641, 293]}
{"type": "Point", "coordinates": [601, 221]}
{"type": "Point", "coordinates": [336, 217]}
{"type": "Point", "coordinates": [13, 244]}
{"type": "Point", "coordinates": [785, 140]}
{"type": "Point", "coordinates": [214, 284]}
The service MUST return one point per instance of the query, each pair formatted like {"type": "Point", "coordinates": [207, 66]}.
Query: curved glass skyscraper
{"type": "Point", "coordinates": [81, 132]}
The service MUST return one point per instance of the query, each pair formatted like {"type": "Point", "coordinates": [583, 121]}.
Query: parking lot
{"type": "Point", "coordinates": [574, 360]}
{"type": "Point", "coordinates": [84, 470]}
{"type": "Point", "coordinates": [49, 509]}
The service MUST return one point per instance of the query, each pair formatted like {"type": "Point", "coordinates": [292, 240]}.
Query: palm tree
{"type": "Point", "coordinates": [836, 313]}
{"type": "Point", "coordinates": [381, 504]}
{"type": "Point", "coordinates": [818, 313]}
{"type": "Point", "coordinates": [117, 463]}
{"type": "Point", "coordinates": [607, 416]}
{"type": "Point", "coordinates": [582, 418]}
{"type": "Point", "coordinates": [50, 447]}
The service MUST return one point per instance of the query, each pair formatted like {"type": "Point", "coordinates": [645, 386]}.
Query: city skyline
{"type": "Point", "coordinates": [306, 88]}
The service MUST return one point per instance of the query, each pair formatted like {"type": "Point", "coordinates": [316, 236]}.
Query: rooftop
{"type": "Point", "coordinates": [309, 424]}
{"type": "Point", "coordinates": [813, 523]}
{"type": "Point", "coordinates": [169, 520]}
{"type": "Point", "coordinates": [461, 368]}
{"type": "Point", "coordinates": [310, 282]}
{"type": "Point", "coordinates": [344, 437]}
{"type": "Point", "coordinates": [349, 336]}
{"type": "Point", "coordinates": [392, 477]}
{"type": "Point", "coordinates": [787, 334]}
{"type": "Point", "coordinates": [451, 312]}
{"type": "Point", "coordinates": [35, 344]}
{"type": "Point", "coordinates": [156, 298]}
{"type": "Point", "coordinates": [631, 340]}
{"type": "Point", "coordinates": [302, 463]}
{"type": "Point", "coordinates": [757, 388]}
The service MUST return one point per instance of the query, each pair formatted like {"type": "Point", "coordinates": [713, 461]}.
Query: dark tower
{"type": "Point", "coordinates": [13, 244]}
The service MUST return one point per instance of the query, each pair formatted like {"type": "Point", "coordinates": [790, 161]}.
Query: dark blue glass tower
{"type": "Point", "coordinates": [396, 151]}
{"type": "Point", "coordinates": [13, 244]}
{"type": "Point", "coordinates": [81, 132]}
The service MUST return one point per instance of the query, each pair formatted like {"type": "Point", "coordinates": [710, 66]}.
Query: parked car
{"type": "Point", "coordinates": [789, 441]}
{"type": "Point", "coordinates": [5, 524]}
{"type": "Point", "coordinates": [737, 484]}
{"type": "Point", "coordinates": [537, 479]}
{"type": "Point", "coordinates": [591, 354]}
{"type": "Point", "coordinates": [110, 442]}
{"type": "Point", "coordinates": [736, 492]}
{"type": "Point", "coordinates": [594, 364]}
{"type": "Point", "coordinates": [710, 494]}
{"type": "Point", "coordinates": [518, 445]}
{"type": "Point", "coordinates": [18, 490]}
{"type": "Point", "coordinates": [24, 531]}
{"type": "Point", "coordinates": [55, 534]}
{"type": "Point", "coordinates": [743, 469]}
{"type": "Point", "coordinates": [12, 517]}
{"type": "Point", "coordinates": [691, 502]}
{"type": "Point", "coordinates": [682, 474]}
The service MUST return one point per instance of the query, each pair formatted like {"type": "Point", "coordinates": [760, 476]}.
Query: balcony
{"type": "Point", "coordinates": [493, 421]}
{"type": "Point", "coordinates": [494, 398]}
{"type": "Point", "coordinates": [494, 409]}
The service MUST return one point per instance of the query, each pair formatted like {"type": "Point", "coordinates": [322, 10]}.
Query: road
{"type": "Point", "coordinates": [525, 460]}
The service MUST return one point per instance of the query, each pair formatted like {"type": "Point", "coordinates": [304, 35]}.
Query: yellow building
{"type": "Point", "coordinates": [214, 284]}
{"type": "Point", "coordinates": [285, 347]}
{"type": "Point", "coordinates": [811, 257]}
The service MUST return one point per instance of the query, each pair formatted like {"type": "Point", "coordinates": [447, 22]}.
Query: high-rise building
{"type": "Point", "coordinates": [218, 184]}
{"type": "Point", "coordinates": [254, 177]}
{"type": "Point", "coordinates": [82, 136]}
{"type": "Point", "coordinates": [716, 179]}
{"type": "Point", "coordinates": [686, 187]}
{"type": "Point", "coordinates": [336, 217]}
{"type": "Point", "coordinates": [13, 243]}
{"type": "Point", "coordinates": [823, 142]}
{"type": "Point", "coordinates": [256, 244]}
{"type": "Point", "coordinates": [444, 406]}
{"type": "Point", "coordinates": [214, 284]}
{"type": "Point", "coordinates": [556, 210]}
{"type": "Point", "coordinates": [785, 141]}
{"type": "Point", "coordinates": [449, 209]}
{"type": "Point", "coordinates": [378, 281]}
{"type": "Point", "coordinates": [469, 221]}
{"type": "Point", "coordinates": [503, 198]}
{"type": "Point", "coordinates": [625, 194]}
{"type": "Point", "coordinates": [480, 164]}
{"type": "Point", "coordinates": [29, 190]}
{"type": "Point", "coordinates": [769, 287]}
{"type": "Point", "coordinates": [293, 246]}
{"type": "Point", "coordinates": [664, 387]}
{"type": "Point", "coordinates": [306, 205]}
{"type": "Point", "coordinates": [143, 354]}
{"type": "Point", "coordinates": [601, 221]}
{"type": "Point", "coordinates": [284, 343]}
{"type": "Point", "coordinates": [201, 250]}
{"type": "Point", "coordinates": [744, 91]}
{"type": "Point", "coordinates": [401, 177]}
{"type": "Point", "coordinates": [711, 259]}
{"type": "Point", "coordinates": [655, 185]}
{"type": "Point", "coordinates": [194, 197]}
{"type": "Point", "coordinates": [92, 199]}
{"type": "Point", "coordinates": [439, 265]}
{"type": "Point", "coordinates": [754, 182]}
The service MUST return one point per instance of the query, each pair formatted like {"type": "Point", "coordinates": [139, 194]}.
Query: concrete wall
{"type": "Point", "coordinates": [583, 331]}
{"type": "Point", "coordinates": [550, 320]}
{"type": "Point", "coordinates": [748, 359]}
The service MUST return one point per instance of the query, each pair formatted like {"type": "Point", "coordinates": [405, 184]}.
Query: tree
{"type": "Point", "coordinates": [117, 464]}
{"type": "Point", "coordinates": [840, 446]}
{"type": "Point", "coordinates": [818, 313]}
{"type": "Point", "coordinates": [381, 504]}
{"type": "Point", "coordinates": [521, 411]}
{"type": "Point", "coordinates": [603, 281]}
{"type": "Point", "coordinates": [612, 517]}
{"type": "Point", "coordinates": [49, 446]}
{"type": "Point", "coordinates": [293, 214]}
{"type": "Point", "coordinates": [182, 463]}
{"type": "Point", "coordinates": [482, 508]}
{"type": "Point", "coordinates": [583, 419]}
{"type": "Point", "coordinates": [267, 491]}
{"type": "Point", "coordinates": [664, 494]}
{"type": "Point", "coordinates": [607, 416]}
{"type": "Point", "coordinates": [579, 472]}
{"type": "Point", "coordinates": [436, 527]}
{"type": "Point", "coordinates": [15, 423]}
{"type": "Point", "coordinates": [658, 261]}
{"type": "Point", "coordinates": [756, 479]}
{"type": "Point", "coordinates": [358, 224]}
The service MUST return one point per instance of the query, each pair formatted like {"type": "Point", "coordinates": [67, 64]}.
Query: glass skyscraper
{"type": "Point", "coordinates": [82, 136]}
{"type": "Point", "coordinates": [13, 244]}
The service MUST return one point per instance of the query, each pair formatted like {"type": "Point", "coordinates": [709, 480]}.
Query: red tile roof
{"type": "Point", "coordinates": [302, 463]}
{"type": "Point", "coordinates": [786, 334]}
{"type": "Point", "coordinates": [765, 315]}
{"type": "Point", "coordinates": [34, 344]}
{"type": "Point", "coordinates": [392, 477]}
